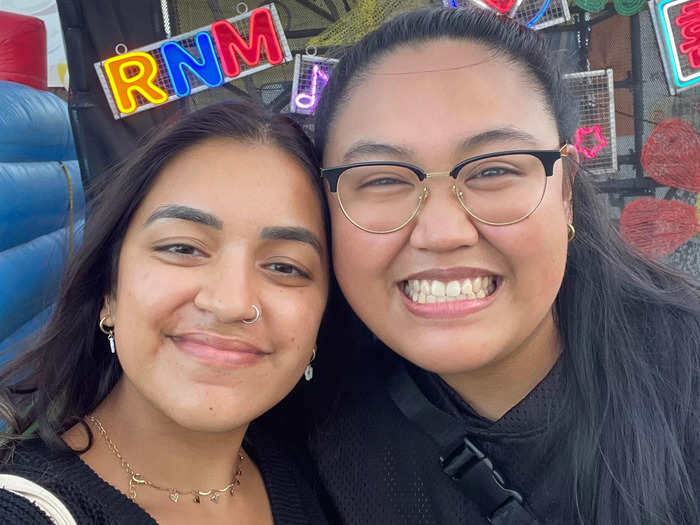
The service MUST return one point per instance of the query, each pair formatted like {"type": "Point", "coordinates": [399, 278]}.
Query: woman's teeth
{"type": "Point", "coordinates": [423, 291]}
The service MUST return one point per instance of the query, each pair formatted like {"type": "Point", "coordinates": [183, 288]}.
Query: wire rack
{"type": "Point", "coordinates": [595, 138]}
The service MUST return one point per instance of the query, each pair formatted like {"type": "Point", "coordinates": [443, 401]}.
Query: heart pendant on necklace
{"type": "Point", "coordinates": [174, 496]}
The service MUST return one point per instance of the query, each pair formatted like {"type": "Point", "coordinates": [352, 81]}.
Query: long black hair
{"type": "Point", "coordinates": [69, 370]}
{"type": "Point", "coordinates": [630, 327]}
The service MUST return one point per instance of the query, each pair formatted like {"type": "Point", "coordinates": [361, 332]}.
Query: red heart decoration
{"type": "Point", "coordinates": [657, 227]}
{"type": "Point", "coordinates": [671, 155]}
{"type": "Point", "coordinates": [502, 6]}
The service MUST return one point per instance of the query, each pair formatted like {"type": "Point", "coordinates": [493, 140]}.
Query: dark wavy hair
{"type": "Point", "coordinates": [68, 371]}
{"type": "Point", "coordinates": [630, 327]}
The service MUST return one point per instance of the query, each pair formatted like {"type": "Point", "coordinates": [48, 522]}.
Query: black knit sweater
{"type": "Point", "coordinates": [91, 500]}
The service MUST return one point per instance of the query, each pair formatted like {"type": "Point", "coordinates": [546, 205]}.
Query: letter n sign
{"type": "Point", "coordinates": [201, 59]}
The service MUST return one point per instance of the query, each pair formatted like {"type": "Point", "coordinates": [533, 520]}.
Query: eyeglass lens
{"type": "Point", "coordinates": [495, 190]}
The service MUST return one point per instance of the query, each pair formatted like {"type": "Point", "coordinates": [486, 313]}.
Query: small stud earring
{"type": "Point", "coordinates": [109, 331]}
{"type": "Point", "coordinates": [309, 372]}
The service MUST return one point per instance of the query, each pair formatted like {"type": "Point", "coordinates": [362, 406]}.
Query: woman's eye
{"type": "Point", "coordinates": [492, 172]}
{"type": "Point", "coordinates": [287, 269]}
{"type": "Point", "coordinates": [179, 249]}
{"type": "Point", "coordinates": [383, 181]}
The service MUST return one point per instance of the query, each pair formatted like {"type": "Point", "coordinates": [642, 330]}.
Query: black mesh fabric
{"type": "Point", "coordinates": [379, 468]}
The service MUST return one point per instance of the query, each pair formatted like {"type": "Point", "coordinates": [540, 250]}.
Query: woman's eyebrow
{"type": "Point", "coordinates": [363, 149]}
{"type": "Point", "coordinates": [499, 134]}
{"type": "Point", "coordinates": [369, 149]}
{"type": "Point", "coordinates": [185, 213]}
{"type": "Point", "coordinates": [293, 233]}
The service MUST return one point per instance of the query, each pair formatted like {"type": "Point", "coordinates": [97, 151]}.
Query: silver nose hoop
{"type": "Point", "coordinates": [253, 319]}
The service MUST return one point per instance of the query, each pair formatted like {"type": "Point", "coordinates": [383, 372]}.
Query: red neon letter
{"type": "Point", "coordinates": [689, 22]}
{"type": "Point", "coordinates": [123, 82]}
{"type": "Point", "coordinates": [261, 32]}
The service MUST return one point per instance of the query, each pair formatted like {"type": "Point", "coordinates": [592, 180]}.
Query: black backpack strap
{"type": "Point", "coordinates": [461, 459]}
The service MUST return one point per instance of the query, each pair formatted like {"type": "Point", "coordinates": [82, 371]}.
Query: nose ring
{"type": "Point", "coordinates": [253, 319]}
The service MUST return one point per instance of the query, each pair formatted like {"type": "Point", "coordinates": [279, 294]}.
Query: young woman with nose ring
{"type": "Point", "coordinates": [191, 309]}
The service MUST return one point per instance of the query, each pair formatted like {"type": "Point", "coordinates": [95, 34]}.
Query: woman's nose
{"type": "Point", "coordinates": [228, 289]}
{"type": "Point", "coordinates": [442, 223]}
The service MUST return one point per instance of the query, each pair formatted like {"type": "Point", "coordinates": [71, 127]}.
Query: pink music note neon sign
{"type": "Point", "coordinates": [600, 141]}
{"type": "Point", "coordinates": [306, 101]}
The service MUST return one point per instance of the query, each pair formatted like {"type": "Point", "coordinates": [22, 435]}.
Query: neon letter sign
{"type": "Point", "coordinates": [689, 22]}
{"type": "Point", "coordinates": [124, 83]}
{"type": "Point", "coordinates": [167, 70]}
{"type": "Point", "coordinates": [229, 41]}
{"type": "Point", "coordinates": [177, 59]}
{"type": "Point", "coordinates": [677, 24]}
{"type": "Point", "coordinates": [600, 141]}
{"type": "Point", "coordinates": [502, 6]}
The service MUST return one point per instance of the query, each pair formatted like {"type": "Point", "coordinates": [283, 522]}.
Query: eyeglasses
{"type": "Point", "coordinates": [499, 188]}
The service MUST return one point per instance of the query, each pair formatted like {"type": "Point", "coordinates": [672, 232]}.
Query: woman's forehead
{"type": "Point", "coordinates": [438, 55]}
{"type": "Point", "coordinates": [235, 180]}
{"type": "Point", "coordinates": [441, 94]}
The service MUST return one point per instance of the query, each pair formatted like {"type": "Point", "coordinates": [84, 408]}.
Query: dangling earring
{"type": "Point", "coordinates": [109, 331]}
{"type": "Point", "coordinates": [572, 232]}
{"type": "Point", "coordinates": [309, 372]}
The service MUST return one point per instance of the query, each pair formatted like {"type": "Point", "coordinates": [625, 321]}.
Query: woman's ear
{"type": "Point", "coordinates": [107, 309]}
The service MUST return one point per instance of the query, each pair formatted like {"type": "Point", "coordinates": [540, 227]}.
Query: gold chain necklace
{"type": "Point", "coordinates": [174, 494]}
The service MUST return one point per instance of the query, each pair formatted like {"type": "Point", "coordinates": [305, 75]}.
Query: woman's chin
{"type": "Point", "coordinates": [454, 359]}
{"type": "Point", "coordinates": [204, 420]}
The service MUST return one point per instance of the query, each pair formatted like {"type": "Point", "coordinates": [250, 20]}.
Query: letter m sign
{"type": "Point", "coordinates": [262, 33]}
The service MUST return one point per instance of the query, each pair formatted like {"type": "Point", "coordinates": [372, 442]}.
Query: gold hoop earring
{"type": "Point", "coordinates": [109, 332]}
{"type": "Point", "coordinates": [572, 232]}
{"type": "Point", "coordinates": [309, 372]}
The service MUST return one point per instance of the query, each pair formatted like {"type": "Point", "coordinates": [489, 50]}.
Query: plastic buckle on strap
{"type": "Point", "coordinates": [474, 473]}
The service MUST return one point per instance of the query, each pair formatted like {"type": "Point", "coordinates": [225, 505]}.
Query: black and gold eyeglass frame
{"type": "Point", "coordinates": [546, 158]}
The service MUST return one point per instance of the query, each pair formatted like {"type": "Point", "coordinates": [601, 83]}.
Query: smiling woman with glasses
{"type": "Point", "coordinates": [524, 365]}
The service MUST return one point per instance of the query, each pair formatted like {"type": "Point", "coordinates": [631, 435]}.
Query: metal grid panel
{"type": "Point", "coordinates": [539, 14]}
{"type": "Point", "coordinates": [536, 14]}
{"type": "Point", "coordinates": [595, 138]}
{"type": "Point", "coordinates": [666, 16]}
{"type": "Point", "coordinates": [187, 41]}
{"type": "Point", "coordinates": [310, 77]}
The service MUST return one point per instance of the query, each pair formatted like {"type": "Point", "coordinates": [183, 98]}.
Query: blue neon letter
{"type": "Point", "coordinates": [177, 59]}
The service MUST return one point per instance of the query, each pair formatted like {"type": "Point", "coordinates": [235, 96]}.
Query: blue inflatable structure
{"type": "Point", "coordinates": [42, 207]}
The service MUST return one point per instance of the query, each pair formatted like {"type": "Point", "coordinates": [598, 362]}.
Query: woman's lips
{"type": "Point", "coordinates": [218, 351]}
